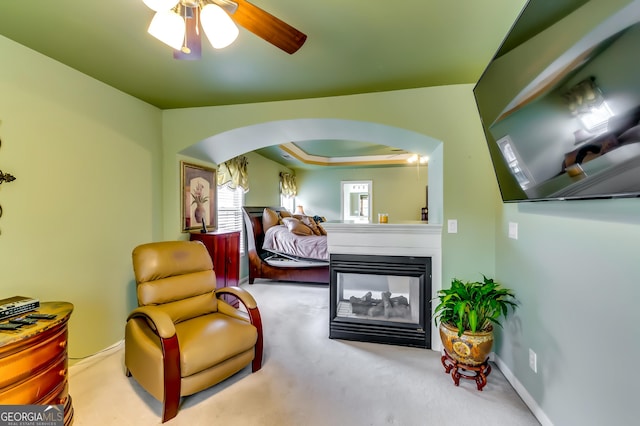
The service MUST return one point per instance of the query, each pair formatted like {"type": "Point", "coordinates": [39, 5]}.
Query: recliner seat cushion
{"type": "Point", "coordinates": [211, 339]}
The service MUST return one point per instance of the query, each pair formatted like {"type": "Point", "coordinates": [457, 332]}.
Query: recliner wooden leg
{"type": "Point", "coordinates": [170, 407]}
{"type": "Point", "coordinates": [256, 320]}
{"type": "Point", "coordinates": [171, 361]}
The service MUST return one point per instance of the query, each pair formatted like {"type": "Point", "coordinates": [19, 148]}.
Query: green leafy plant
{"type": "Point", "coordinates": [474, 306]}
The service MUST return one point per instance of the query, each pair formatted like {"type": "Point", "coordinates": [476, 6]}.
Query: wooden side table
{"type": "Point", "coordinates": [459, 371]}
{"type": "Point", "coordinates": [33, 360]}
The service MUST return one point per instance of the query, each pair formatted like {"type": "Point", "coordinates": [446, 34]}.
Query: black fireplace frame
{"type": "Point", "coordinates": [381, 330]}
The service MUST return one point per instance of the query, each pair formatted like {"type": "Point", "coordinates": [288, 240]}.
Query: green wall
{"type": "Point", "coordinates": [264, 181]}
{"type": "Point", "coordinates": [575, 270]}
{"type": "Point", "coordinates": [399, 191]}
{"type": "Point", "coordinates": [88, 165]}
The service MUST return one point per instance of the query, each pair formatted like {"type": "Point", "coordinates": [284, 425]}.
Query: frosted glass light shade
{"type": "Point", "coordinates": [168, 27]}
{"type": "Point", "coordinates": [218, 26]}
{"type": "Point", "coordinates": [160, 5]}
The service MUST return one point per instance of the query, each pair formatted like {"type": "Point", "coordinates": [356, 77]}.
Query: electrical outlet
{"type": "Point", "coordinates": [452, 226]}
{"type": "Point", "coordinates": [533, 360]}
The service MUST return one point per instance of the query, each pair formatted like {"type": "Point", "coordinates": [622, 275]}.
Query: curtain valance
{"type": "Point", "coordinates": [234, 173]}
{"type": "Point", "coordinates": [584, 96]}
{"type": "Point", "coordinates": [288, 186]}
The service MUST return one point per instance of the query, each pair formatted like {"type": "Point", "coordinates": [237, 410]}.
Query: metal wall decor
{"type": "Point", "coordinates": [5, 177]}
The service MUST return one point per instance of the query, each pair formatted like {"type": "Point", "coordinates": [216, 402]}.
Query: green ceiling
{"type": "Point", "coordinates": [353, 47]}
{"type": "Point", "coordinates": [356, 46]}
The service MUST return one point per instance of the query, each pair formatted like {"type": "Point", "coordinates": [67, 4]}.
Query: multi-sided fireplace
{"type": "Point", "coordinates": [382, 299]}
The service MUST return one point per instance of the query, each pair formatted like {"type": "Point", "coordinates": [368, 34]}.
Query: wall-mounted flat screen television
{"type": "Point", "coordinates": [560, 102]}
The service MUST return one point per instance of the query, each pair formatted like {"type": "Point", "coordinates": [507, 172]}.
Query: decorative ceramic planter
{"type": "Point", "coordinates": [199, 212]}
{"type": "Point", "coordinates": [469, 348]}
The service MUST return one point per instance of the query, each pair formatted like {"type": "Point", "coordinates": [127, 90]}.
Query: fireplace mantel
{"type": "Point", "coordinates": [391, 239]}
{"type": "Point", "coordinates": [397, 239]}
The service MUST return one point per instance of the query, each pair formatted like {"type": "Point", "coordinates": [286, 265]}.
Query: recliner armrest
{"type": "Point", "coordinates": [225, 308]}
{"type": "Point", "coordinates": [254, 317]}
{"type": "Point", "coordinates": [157, 319]}
{"type": "Point", "coordinates": [245, 297]}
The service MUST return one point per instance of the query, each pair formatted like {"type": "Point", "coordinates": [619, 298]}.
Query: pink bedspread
{"type": "Point", "coordinates": [280, 240]}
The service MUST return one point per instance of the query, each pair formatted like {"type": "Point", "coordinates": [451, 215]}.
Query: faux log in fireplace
{"type": "Point", "coordinates": [381, 299]}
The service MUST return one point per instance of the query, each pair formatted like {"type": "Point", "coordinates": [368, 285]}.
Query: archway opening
{"type": "Point", "coordinates": [223, 146]}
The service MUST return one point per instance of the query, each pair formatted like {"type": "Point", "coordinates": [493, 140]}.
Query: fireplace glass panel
{"type": "Point", "coordinates": [378, 297]}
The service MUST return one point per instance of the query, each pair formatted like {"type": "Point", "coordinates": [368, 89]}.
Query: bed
{"type": "Point", "coordinates": [279, 263]}
{"type": "Point", "coordinates": [622, 131]}
{"type": "Point", "coordinates": [608, 163]}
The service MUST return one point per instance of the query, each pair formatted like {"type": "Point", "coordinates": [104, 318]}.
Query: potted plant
{"type": "Point", "coordinates": [467, 312]}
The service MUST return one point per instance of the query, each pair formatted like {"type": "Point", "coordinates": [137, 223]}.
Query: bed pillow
{"type": "Point", "coordinates": [284, 213]}
{"type": "Point", "coordinates": [269, 218]}
{"type": "Point", "coordinates": [591, 150]}
{"type": "Point", "coordinates": [310, 222]}
{"type": "Point", "coordinates": [296, 227]}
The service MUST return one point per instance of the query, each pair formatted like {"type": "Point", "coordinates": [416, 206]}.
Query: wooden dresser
{"type": "Point", "coordinates": [33, 361]}
{"type": "Point", "coordinates": [224, 249]}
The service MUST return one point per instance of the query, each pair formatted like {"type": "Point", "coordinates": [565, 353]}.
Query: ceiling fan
{"type": "Point", "coordinates": [178, 23]}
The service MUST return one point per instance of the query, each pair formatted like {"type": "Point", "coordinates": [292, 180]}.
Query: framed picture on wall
{"type": "Point", "coordinates": [198, 188]}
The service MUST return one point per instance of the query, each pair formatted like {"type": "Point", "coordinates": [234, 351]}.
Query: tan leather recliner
{"type": "Point", "coordinates": [182, 338]}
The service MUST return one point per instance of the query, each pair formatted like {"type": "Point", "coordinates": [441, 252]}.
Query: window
{"type": "Point", "coordinates": [230, 202]}
{"type": "Point", "coordinates": [510, 154]}
{"type": "Point", "coordinates": [288, 190]}
{"type": "Point", "coordinates": [597, 118]}
{"type": "Point", "coordinates": [287, 202]}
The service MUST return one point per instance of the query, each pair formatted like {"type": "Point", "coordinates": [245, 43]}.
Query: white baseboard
{"type": "Point", "coordinates": [522, 392]}
{"type": "Point", "coordinates": [106, 351]}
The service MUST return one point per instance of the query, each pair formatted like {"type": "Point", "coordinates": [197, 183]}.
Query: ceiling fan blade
{"type": "Point", "coordinates": [268, 27]}
{"type": "Point", "coordinates": [192, 47]}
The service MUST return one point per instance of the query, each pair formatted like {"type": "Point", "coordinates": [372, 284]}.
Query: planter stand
{"type": "Point", "coordinates": [459, 371]}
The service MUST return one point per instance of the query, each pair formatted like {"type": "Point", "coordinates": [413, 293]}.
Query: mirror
{"type": "Point", "coordinates": [356, 201]}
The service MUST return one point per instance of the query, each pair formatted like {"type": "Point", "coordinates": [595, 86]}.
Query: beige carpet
{"type": "Point", "coordinates": [306, 379]}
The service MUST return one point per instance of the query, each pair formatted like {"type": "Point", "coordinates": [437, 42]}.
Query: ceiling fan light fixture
{"type": "Point", "coordinates": [160, 5]}
{"type": "Point", "coordinates": [218, 26]}
{"type": "Point", "coordinates": [168, 27]}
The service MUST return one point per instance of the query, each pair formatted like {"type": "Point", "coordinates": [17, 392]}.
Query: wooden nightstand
{"type": "Point", "coordinates": [33, 361]}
